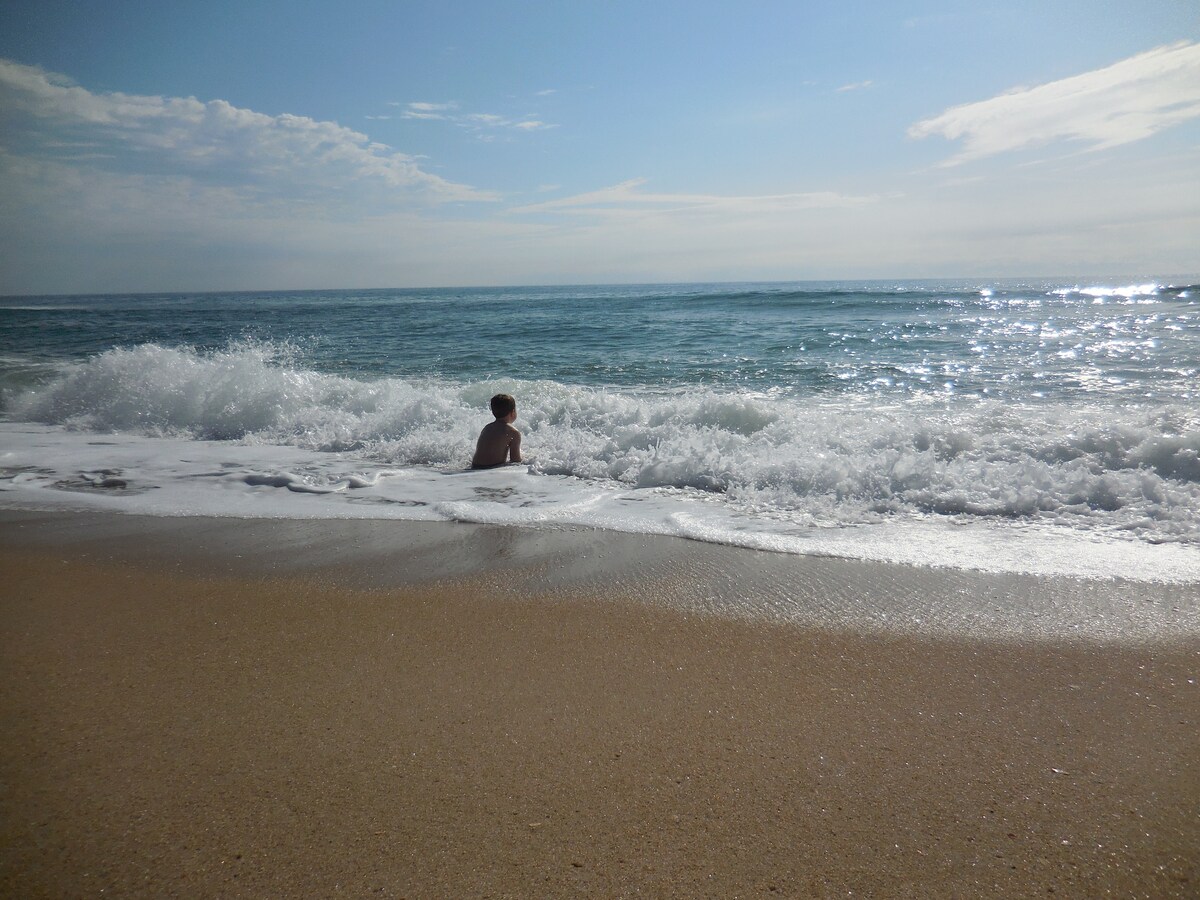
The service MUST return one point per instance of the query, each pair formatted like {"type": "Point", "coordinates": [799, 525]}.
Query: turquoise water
{"type": "Point", "coordinates": [1015, 339]}
{"type": "Point", "coordinates": [761, 414]}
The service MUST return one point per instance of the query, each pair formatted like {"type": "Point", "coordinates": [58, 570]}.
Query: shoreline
{"type": "Point", "coordinates": [687, 575]}
{"type": "Point", "coordinates": [283, 708]}
{"type": "Point", "coordinates": [118, 469]}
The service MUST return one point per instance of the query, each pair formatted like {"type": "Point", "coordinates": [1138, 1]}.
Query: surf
{"type": "Point", "coordinates": [1123, 470]}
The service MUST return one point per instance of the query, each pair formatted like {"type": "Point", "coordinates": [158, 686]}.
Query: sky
{"type": "Point", "coordinates": [235, 145]}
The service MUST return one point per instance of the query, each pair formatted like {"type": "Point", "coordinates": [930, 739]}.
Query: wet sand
{"type": "Point", "coordinates": [214, 708]}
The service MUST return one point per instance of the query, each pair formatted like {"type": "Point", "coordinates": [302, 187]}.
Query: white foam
{"type": "Point", "coordinates": [1111, 491]}
{"type": "Point", "coordinates": [48, 467]}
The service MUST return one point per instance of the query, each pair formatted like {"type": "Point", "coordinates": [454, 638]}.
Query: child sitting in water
{"type": "Point", "coordinates": [499, 442]}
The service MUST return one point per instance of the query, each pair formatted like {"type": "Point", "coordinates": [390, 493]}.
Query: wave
{"type": "Point", "coordinates": [1126, 471]}
{"type": "Point", "coordinates": [1128, 292]}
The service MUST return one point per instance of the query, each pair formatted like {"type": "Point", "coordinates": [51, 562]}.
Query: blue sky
{"type": "Point", "coordinates": [214, 146]}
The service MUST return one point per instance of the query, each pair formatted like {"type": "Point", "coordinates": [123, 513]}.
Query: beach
{"type": "Point", "coordinates": [538, 450]}
{"type": "Point", "coordinates": [204, 707]}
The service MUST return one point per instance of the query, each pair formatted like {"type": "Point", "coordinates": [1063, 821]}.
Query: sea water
{"type": "Point", "coordinates": [1048, 427]}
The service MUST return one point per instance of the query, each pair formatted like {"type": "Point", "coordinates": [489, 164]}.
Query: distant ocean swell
{"type": "Point", "coordinates": [1118, 470]}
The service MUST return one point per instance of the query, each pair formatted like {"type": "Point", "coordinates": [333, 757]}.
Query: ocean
{"type": "Point", "coordinates": [1043, 427]}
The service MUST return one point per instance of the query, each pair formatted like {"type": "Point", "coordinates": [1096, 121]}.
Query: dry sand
{"type": "Point", "coordinates": [198, 708]}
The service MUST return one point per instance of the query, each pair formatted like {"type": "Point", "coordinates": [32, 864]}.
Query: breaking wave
{"type": "Point", "coordinates": [1122, 470]}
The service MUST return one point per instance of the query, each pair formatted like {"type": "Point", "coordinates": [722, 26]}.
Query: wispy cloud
{"type": "Point", "coordinates": [1128, 101]}
{"type": "Point", "coordinates": [623, 198]}
{"type": "Point", "coordinates": [856, 86]}
{"type": "Point", "coordinates": [211, 143]}
{"type": "Point", "coordinates": [448, 112]}
{"type": "Point", "coordinates": [427, 110]}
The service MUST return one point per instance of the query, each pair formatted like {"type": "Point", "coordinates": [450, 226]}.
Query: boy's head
{"type": "Point", "coordinates": [502, 405]}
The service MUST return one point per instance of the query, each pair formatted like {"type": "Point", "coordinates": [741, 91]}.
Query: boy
{"type": "Point", "coordinates": [499, 442]}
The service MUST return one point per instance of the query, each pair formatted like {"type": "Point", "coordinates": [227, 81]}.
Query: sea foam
{"type": "Point", "coordinates": [1101, 470]}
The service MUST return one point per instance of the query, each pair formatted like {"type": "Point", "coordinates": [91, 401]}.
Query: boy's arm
{"type": "Point", "coordinates": [477, 459]}
{"type": "Point", "coordinates": [514, 445]}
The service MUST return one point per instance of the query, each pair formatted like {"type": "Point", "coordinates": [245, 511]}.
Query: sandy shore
{"type": "Point", "coordinates": [211, 708]}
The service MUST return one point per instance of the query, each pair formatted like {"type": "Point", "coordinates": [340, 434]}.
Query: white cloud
{"type": "Point", "coordinates": [856, 86]}
{"type": "Point", "coordinates": [103, 192]}
{"type": "Point", "coordinates": [1125, 102]}
{"type": "Point", "coordinates": [213, 142]}
{"type": "Point", "coordinates": [446, 112]}
{"type": "Point", "coordinates": [420, 110]}
{"type": "Point", "coordinates": [65, 228]}
{"type": "Point", "coordinates": [625, 198]}
{"type": "Point", "coordinates": [483, 119]}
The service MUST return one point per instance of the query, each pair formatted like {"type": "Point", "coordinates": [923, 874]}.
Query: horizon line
{"type": "Point", "coordinates": [1191, 278]}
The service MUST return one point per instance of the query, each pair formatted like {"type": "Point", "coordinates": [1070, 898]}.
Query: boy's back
{"type": "Point", "coordinates": [499, 442]}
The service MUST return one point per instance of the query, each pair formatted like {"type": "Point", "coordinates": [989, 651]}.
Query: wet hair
{"type": "Point", "coordinates": [502, 405]}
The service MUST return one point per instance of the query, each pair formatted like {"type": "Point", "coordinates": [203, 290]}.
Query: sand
{"type": "Point", "coordinates": [214, 708]}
